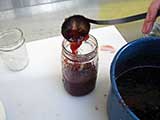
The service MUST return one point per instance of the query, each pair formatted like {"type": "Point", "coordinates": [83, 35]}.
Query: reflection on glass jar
{"type": "Point", "coordinates": [79, 71]}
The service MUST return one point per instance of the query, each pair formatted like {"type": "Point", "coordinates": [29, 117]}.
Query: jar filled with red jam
{"type": "Point", "coordinates": [79, 65]}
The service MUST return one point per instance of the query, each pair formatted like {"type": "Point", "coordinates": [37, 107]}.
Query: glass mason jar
{"type": "Point", "coordinates": [13, 50]}
{"type": "Point", "coordinates": [79, 71]}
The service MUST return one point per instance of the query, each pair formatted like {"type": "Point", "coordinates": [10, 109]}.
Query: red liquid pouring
{"type": "Point", "coordinates": [75, 45]}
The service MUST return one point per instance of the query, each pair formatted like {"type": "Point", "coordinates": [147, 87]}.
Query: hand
{"type": "Point", "coordinates": [151, 16]}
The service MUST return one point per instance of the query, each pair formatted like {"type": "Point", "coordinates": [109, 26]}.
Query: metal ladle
{"type": "Point", "coordinates": [76, 27]}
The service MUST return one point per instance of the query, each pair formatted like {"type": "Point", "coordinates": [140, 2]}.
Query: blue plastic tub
{"type": "Point", "coordinates": [141, 52]}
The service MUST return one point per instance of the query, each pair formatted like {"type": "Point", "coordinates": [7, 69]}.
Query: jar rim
{"type": "Point", "coordinates": [13, 45]}
{"type": "Point", "coordinates": [80, 55]}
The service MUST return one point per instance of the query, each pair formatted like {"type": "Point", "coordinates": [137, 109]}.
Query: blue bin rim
{"type": "Point", "coordinates": [112, 72]}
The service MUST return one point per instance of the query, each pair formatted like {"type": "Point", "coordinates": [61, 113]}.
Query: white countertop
{"type": "Point", "coordinates": [37, 92]}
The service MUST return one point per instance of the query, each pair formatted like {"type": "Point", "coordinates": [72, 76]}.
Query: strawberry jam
{"type": "Point", "coordinates": [79, 65]}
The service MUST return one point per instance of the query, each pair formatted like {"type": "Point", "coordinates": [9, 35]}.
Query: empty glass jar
{"type": "Point", "coordinates": [13, 50]}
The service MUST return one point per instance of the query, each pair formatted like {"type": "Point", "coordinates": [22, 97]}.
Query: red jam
{"type": "Point", "coordinates": [79, 77]}
{"type": "Point", "coordinates": [74, 46]}
{"type": "Point", "coordinates": [79, 81]}
{"type": "Point", "coordinates": [76, 38]}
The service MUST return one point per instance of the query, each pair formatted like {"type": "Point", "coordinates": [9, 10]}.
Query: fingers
{"type": "Point", "coordinates": [149, 21]}
{"type": "Point", "coordinates": [151, 16]}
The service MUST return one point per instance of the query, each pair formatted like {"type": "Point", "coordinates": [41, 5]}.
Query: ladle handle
{"type": "Point", "coordinates": [120, 20]}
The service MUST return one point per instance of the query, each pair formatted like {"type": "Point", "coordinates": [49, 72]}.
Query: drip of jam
{"type": "Point", "coordinates": [77, 43]}
{"type": "Point", "coordinates": [74, 46]}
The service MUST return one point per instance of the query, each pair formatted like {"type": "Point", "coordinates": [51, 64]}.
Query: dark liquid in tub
{"type": "Point", "coordinates": [79, 79]}
{"type": "Point", "coordinates": [140, 89]}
